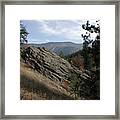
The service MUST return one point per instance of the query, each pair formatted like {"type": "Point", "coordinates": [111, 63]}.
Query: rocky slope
{"type": "Point", "coordinates": [47, 63]}
{"type": "Point", "coordinates": [35, 86]}
{"type": "Point", "coordinates": [45, 75]}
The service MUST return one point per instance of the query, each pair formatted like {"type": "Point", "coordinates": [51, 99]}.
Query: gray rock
{"type": "Point", "coordinates": [47, 63]}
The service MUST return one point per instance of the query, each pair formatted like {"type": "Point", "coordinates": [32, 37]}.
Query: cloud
{"type": "Point", "coordinates": [38, 41]}
{"type": "Point", "coordinates": [65, 28]}
{"type": "Point", "coordinates": [57, 30]}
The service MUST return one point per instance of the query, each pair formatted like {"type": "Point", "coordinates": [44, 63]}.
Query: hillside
{"type": "Point", "coordinates": [45, 75]}
{"type": "Point", "coordinates": [66, 48]}
{"type": "Point", "coordinates": [93, 84]}
{"type": "Point", "coordinates": [35, 86]}
{"type": "Point", "coordinates": [77, 60]}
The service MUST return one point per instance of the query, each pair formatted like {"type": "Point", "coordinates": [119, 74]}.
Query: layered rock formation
{"type": "Point", "coordinates": [47, 63]}
{"type": "Point", "coordinates": [45, 75]}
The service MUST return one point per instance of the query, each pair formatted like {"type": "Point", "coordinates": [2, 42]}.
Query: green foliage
{"type": "Point", "coordinates": [23, 34]}
{"type": "Point", "coordinates": [84, 88]}
{"type": "Point", "coordinates": [91, 54]}
{"type": "Point", "coordinates": [88, 58]}
{"type": "Point", "coordinates": [75, 84]}
{"type": "Point", "coordinates": [22, 54]}
{"type": "Point", "coordinates": [87, 87]}
{"type": "Point", "coordinates": [92, 60]}
{"type": "Point", "coordinates": [96, 52]}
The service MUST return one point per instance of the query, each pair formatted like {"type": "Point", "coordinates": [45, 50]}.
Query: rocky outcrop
{"type": "Point", "coordinates": [47, 63]}
{"type": "Point", "coordinates": [59, 72]}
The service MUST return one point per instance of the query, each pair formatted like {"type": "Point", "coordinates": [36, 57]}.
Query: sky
{"type": "Point", "coordinates": [43, 31]}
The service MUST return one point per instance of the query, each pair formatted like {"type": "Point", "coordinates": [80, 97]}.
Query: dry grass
{"type": "Point", "coordinates": [35, 86]}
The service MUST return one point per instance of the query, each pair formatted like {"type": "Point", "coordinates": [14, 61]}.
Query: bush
{"type": "Point", "coordinates": [75, 85]}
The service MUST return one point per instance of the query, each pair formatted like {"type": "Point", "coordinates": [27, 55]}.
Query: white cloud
{"type": "Point", "coordinates": [67, 29]}
{"type": "Point", "coordinates": [38, 41]}
{"type": "Point", "coordinates": [47, 40]}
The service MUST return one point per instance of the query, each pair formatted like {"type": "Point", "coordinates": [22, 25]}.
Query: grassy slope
{"type": "Point", "coordinates": [37, 87]}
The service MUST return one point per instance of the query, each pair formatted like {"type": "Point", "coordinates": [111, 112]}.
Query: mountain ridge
{"type": "Point", "coordinates": [66, 48]}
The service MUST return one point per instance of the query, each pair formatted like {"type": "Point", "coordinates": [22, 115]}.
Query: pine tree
{"type": "Point", "coordinates": [23, 34]}
{"type": "Point", "coordinates": [91, 53]}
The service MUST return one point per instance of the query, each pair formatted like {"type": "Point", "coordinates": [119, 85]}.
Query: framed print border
{"type": "Point", "coordinates": [67, 2]}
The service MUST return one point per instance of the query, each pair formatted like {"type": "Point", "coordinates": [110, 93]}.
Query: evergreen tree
{"type": "Point", "coordinates": [94, 52]}
{"type": "Point", "coordinates": [23, 34]}
{"type": "Point", "coordinates": [91, 54]}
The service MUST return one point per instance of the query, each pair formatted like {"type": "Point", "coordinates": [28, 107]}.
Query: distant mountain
{"type": "Point", "coordinates": [66, 48]}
